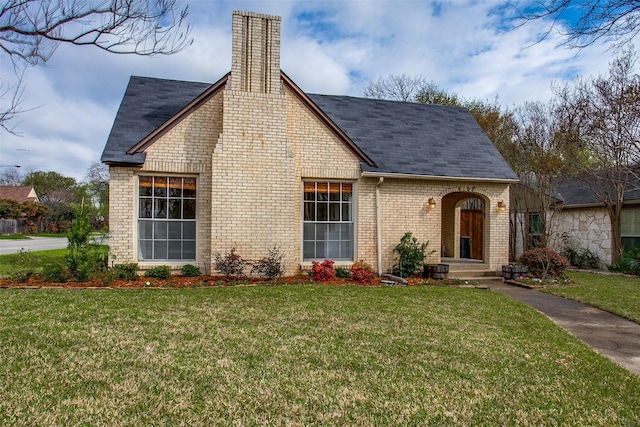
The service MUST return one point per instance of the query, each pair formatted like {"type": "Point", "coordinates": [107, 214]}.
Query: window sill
{"type": "Point", "coordinates": [307, 265]}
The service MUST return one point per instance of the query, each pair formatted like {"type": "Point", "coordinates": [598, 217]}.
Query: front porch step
{"type": "Point", "coordinates": [471, 270]}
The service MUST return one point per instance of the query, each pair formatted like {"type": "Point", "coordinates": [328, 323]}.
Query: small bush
{"type": "Point", "coordinates": [581, 258]}
{"type": "Point", "coordinates": [161, 272]}
{"type": "Point", "coordinates": [343, 273]}
{"type": "Point", "coordinates": [411, 256]}
{"type": "Point", "coordinates": [190, 270]}
{"type": "Point", "coordinates": [23, 267]}
{"type": "Point", "coordinates": [271, 265]}
{"type": "Point", "coordinates": [55, 272]}
{"type": "Point", "coordinates": [85, 259]}
{"type": "Point", "coordinates": [362, 272]}
{"type": "Point", "coordinates": [230, 264]}
{"type": "Point", "coordinates": [322, 271]}
{"type": "Point", "coordinates": [127, 271]}
{"type": "Point", "coordinates": [543, 262]}
{"type": "Point", "coordinates": [629, 262]}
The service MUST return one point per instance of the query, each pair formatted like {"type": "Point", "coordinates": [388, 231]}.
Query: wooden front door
{"type": "Point", "coordinates": [471, 232]}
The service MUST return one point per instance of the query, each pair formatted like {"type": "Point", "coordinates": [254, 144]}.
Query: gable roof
{"type": "Point", "coordinates": [389, 137]}
{"type": "Point", "coordinates": [422, 140]}
{"type": "Point", "coordinates": [148, 103]}
{"type": "Point", "coordinates": [18, 193]}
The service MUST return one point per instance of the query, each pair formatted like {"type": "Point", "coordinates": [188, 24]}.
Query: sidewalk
{"type": "Point", "coordinates": [610, 335]}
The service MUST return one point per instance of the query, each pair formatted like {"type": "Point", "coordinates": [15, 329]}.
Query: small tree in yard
{"type": "Point", "coordinates": [85, 258]}
{"type": "Point", "coordinates": [411, 255]}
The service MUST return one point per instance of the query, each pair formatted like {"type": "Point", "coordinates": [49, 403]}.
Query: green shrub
{"type": "Point", "coordinates": [55, 272]}
{"type": "Point", "coordinates": [629, 262]}
{"type": "Point", "coordinates": [362, 272]}
{"type": "Point", "coordinates": [127, 271]}
{"type": "Point", "coordinates": [190, 270]}
{"type": "Point", "coordinates": [24, 266]}
{"type": "Point", "coordinates": [411, 255]}
{"type": "Point", "coordinates": [85, 259]}
{"type": "Point", "coordinates": [230, 264]}
{"type": "Point", "coordinates": [322, 271]}
{"type": "Point", "coordinates": [271, 265]}
{"type": "Point", "coordinates": [581, 258]}
{"type": "Point", "coordinates": [544, 262]}
{"type": "Point", "coordinates": [343, 273]}
{"type": "Point", "coordinates": [161, 272]}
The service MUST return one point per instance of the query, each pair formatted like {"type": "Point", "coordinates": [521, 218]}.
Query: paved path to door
{"type": "Point", "coordinates": [612, 336]}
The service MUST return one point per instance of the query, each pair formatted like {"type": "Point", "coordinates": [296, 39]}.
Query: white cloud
{"type": "Point", "coordinates": [327, 47]}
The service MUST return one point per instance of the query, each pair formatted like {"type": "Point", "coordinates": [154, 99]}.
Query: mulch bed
{"type": "Point", "coordinates": [177, 282]}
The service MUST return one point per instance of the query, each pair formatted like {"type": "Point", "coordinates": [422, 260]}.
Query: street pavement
{"type": "Point", "coordinates": [32, 244]}
{"type": "Point", "coordinates": [612, 336]}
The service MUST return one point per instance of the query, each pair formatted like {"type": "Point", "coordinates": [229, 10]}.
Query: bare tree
{"type": "Point", "coordinates": [588, 21]}
{"type": "Point", "coordinates": [10, 176]}
{"type": "Point", "coordinates": [31, 30]}
{"type": "Point", "coordinates": [543, 163]}
{"type": "Point", "coordinates": [605, 116]}
{"type": "Point", "coordinates": [396, 87]}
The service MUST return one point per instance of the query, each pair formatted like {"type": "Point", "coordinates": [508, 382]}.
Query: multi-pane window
{"type": "Point", "coordinates": [328, 230]}
{"type": "Point", "coordinates": [535, 230]}
{"type": "Point", "coordinates": [630, 228]}
{"type": "Point", "coordinates": [167, 218]}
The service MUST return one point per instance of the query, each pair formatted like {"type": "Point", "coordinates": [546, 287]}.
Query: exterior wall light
{"type": "Point", "coordinates": [501, 206]}
{"type": "Point", "coordinates": [432, 203]}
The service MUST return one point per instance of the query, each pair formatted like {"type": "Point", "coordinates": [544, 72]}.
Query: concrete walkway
{"type": "Point", "coordinates": [610, 335]}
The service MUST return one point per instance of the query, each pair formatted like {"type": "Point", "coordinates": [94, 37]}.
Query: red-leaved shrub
{"type": "Point", "coordinates": [323, 271]}
{"type": "Point", "coordinates": [544, 262]}
{"type": "Point", "coordinates": [362, 272]}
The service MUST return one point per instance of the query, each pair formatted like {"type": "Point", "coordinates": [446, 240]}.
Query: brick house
{"type": "Point", "coordinates": [252, 161]}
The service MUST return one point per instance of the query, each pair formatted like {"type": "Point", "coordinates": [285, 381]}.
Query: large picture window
{"type": "Point", "coordinates": [328, 231]}
{"type": "Point", "coordinates": [167, 218]}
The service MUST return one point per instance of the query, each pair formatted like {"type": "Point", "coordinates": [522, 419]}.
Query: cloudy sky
{"type": "Point", "coordinates": [471, 47]}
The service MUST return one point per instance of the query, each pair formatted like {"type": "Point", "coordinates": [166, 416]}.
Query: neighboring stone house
{"type": "Point", "coordinates": [252, 161]}
{"type": "Point", "coordinates": [574, 218]}
{"type": "Point", "coordinates": [18, 193]}
{"type": "Point", "coordinates": [583, 220]}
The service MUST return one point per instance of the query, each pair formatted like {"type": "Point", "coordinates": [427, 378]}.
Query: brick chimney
{"type": "Point", "coordinates": [255, 55]}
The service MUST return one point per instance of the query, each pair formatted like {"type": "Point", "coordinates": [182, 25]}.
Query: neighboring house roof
{"type": "Point", "coordinates": [390, 137]}
{"type": "Point", "coordinates": [19, 194]}
{"type": "Point", "coordinates": [575, 192]}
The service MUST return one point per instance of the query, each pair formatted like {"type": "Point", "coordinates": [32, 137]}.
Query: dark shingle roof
{"type": "Point", "coordinates": [575, 192]}
{"type": "Point", "coordinates": [400, 137]}
{"type": "Point", "coordinates": [417, 139]}
{"type": "Point", "coordinates": [146, 105]}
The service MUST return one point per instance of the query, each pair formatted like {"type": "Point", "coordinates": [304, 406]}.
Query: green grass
{"type": "Point", "coordinates": [298, 355]}
{"type": "Point", "coordinates": [614, 293]}
{"type": "Point", "coordinates": [14, 237]}
{"type": "Point", "coordinates": [43, 257]}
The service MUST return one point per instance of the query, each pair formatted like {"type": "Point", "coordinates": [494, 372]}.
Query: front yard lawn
{"type": "Point", "coordinates": [298, 355]}
{"type": "Point", "coordinates": [611, 292]}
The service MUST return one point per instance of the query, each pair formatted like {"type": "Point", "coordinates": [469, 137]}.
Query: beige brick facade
{"type": "Point", "coordinates": [252, 145]}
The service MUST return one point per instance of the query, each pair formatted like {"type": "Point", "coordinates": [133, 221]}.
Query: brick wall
{"type": "Point", "coordinates": [251, 147]}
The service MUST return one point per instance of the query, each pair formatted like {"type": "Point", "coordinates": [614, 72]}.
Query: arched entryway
{"type": "Point", "coordinates": [463, 225]}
